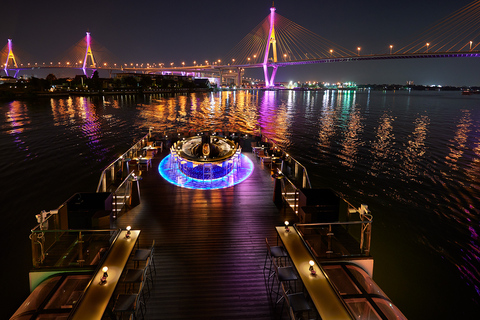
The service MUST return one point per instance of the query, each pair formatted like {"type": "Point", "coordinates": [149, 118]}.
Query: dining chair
{"type": "Point", "coordinates": [297, 304]}
{"type": "Point", "coordinates": [143, 162]}
{"type": "Point", "coordinates": [138, 276]}
{"type": "Point", "coordinates": [130, 304]}
{"type": "Point", "coordinates": [142, 255]}
{"type": "Point", "coordinates": [283, 275]}
{"type": "Point", "coordinates": [273, 252]}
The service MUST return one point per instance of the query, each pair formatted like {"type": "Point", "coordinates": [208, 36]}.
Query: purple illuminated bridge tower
{"type": "Point", "coordinates": [11, 58]}
{"type": "Point", "coordinates": [89, 54]}
{"type": "Point", "coordinates": [270, 81]}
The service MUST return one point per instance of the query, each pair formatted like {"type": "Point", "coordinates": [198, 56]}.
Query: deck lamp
{"type": "Point", "coordinates": [127, 235]}
{"type": "Point", "coordinates": [103, 280]}
{"type": "Point", "coordinates": [286, 226]}
{"type": "Point", "coordinates": [312, 269]}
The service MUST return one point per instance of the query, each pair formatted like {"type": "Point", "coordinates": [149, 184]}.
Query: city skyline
{"type": "Point", "coordinates": [191, 30]}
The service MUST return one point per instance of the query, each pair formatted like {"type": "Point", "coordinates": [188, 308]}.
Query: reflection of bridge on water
{"type": "Point", "coordinates": [278, 42]}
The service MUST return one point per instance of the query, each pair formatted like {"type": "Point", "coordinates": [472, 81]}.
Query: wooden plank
{"type": "Point", "coordinates": [210, 245]}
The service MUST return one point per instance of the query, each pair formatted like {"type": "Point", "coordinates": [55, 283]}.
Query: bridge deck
{"type": "Point", "coordinates": [210, 246]}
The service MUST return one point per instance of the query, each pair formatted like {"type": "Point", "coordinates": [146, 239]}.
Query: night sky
{"type": "Point", "coordinates": [175, 31]}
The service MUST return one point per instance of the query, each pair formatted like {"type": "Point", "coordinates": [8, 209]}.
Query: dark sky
{"type": "Point", "coordinates": [175, 31]}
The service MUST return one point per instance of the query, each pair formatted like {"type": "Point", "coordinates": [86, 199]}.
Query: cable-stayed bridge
{"type": "Point", "coordinates": [275, 42]}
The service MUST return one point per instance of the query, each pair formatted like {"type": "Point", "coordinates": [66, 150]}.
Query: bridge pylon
{"type": "Point", "coordinates": [11, 58]}
{"type": "Point", "coordinates": [270, 81]}
{"type": "Point", "coordinates": [89, 54]}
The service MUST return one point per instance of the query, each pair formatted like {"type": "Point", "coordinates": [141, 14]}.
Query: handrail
{"type": "Point", "coordinates": [306, 180]}
{"type": "Point", "coordinates": [73, 230]}
{"type": "Point", "coordinates": [132, 151]}
{"type": "Point", "coordinates": [126, 184]}
{"type": "Point", "coordinates": [321, 224]}
{"type": "Point", "coordinates": [365, 231]}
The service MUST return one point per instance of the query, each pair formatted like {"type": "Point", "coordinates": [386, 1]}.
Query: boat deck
{"type": "Point", "coordinates": [210, 245]}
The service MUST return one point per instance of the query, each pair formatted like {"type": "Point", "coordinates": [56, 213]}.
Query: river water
{"type": "Point", "coordinates": [413, 157]}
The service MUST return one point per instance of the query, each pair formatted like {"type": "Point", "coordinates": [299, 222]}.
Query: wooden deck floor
{"type": "Point", "coordinates": [210, 246]}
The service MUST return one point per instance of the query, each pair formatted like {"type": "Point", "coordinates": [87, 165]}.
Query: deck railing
{"type": "Point", "coordinates": [338, 239]}
{"type": "Point", "coordinates": [294, 174]}
{"type": "Point", "coordinates": [118, 169]}
{"type": "Point", "coordinates": [57, 248]}
{"type": "Point", "coordinates": [122, 195]}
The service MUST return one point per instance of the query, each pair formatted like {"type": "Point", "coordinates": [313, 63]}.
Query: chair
{"type": "Point", "coordinates": [266, 159]}
{"type": "Point", "coordinates": [144, 162]}
{"type": "Point", "coordinates": [260, 153]}
{"type": "Point", "coordinates": [130, 304]}
{"type": "Point", "coordinates": [142, 255]}
{"type": "Point", "coordinates": [296, 303]}
{"type": "Point", "coordinates": [151, 152]}
{"type": "Point", "coordinates": [283, 274]}
{"type": "Point", "coordinates": [138, 276]}
{"type": "Point", "coordinates": [275, 252]}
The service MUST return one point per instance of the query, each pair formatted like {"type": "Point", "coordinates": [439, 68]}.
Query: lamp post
{"type": "Point", "coordinates": [391, 47]}
{"type": "Point", "coordinates": [358, 51]}
{"type": "Point", "coordinates": [471, 42]}
{"type": "Point", "coordinates": [428, 44]}
{"type": "Point", "coordinates": [331, 53]}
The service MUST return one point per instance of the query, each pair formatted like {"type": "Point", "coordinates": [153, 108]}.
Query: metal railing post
{"type": "Point", "coordinates": [112, 172]}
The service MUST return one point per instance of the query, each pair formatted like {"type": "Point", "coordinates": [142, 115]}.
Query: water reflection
{"type": "Point", "coordinates": [382, 147]}
{"type": "Point", "coordinates": [17, 117]}
{"type": "Point", "coordinates": [326, 128]}
{"type": "Point", "coordinates": [423, 170]}
{"type": "Point", "coordinates": [352, 140]}
{"type": "Point", "coordinates": [415, 148]}
{"type": "Point", "coordinates": [458, 145]}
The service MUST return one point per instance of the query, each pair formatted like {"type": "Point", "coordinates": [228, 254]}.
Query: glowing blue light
{"type": "Point", "coordinates": [170, 172]}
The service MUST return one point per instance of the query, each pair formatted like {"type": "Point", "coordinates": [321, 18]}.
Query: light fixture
{"type": "Point", "coordinates": [286, 226]}
{"type": "Point", "coordinates": [312, 270]}
{"type": "Point", "coordinates": [103, 280]}
{"type": "Point", "coordinates": [127, 235]}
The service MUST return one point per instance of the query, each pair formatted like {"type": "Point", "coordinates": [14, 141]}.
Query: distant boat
{"type": "Point", "coordinates": [467, 92]}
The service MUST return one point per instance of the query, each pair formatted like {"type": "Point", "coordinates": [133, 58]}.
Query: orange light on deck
{"type": "Point", "coordinates": [103, 280]}
{"type": "Point", "coordinates": [312, 269]}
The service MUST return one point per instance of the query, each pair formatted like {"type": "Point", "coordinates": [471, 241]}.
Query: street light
{"type": "Point", "coordinates": [331, 53]}
{"type": "Point", "coordinates": [471, 42]}
{"type": "Point", "coordinates": [358, 51]}
{"type": "Point", "coordinates": [391, 47]}
{"type": "Point", "coordinates": [427, 46]}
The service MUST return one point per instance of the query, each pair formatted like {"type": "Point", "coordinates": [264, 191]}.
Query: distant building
{"type": "Point", "coordinates": [410, 83]}
{"type": "Point", "coordinates": [7, 80]}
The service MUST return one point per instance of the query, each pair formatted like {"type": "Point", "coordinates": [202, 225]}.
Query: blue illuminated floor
{"type": "Point", "coordinates": [172, 174]}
